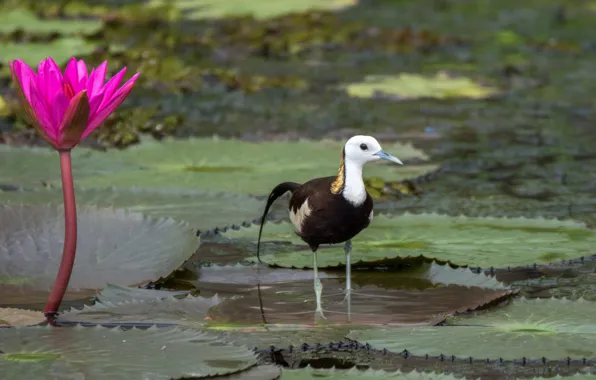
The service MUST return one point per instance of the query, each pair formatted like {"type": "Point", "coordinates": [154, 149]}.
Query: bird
{"type": "Point", "coordinates": [334, 209]}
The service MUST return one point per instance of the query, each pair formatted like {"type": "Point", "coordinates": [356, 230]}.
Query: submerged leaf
{"type": "Point", "coordinates": [465, 241]}
{"type": "Point", "coordinates": [537, 328]}
{"type": "Point", "coordinates": [242, 167]}
{"type": "Point", "coordinates": [354, 373]}
{"type": "Point", "coordinates": [101, 353]}
{"type": "Point", "coordinates": [294, 302]}
{"type": "Point", "coordinates": [202, 210]}
{"type": "Point", "coordinates": [114, 246]}
{"type": "Point", "coordinates": [20, 317]}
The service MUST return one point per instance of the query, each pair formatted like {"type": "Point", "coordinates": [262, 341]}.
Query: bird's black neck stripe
{"type": "Point", "coordinates": [339, 183]}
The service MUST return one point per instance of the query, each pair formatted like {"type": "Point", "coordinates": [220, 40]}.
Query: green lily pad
{"type": "Point", "coordinates": [34, 167]}
{"type": "Point", "coordinates": [202, 210]}
{"type": "Point", "coordinates": [262, 9]}
{"type": "Point", "coordinates": [114, 246]}
{"type": "Point", "coordinates": [116, 294]}
{"type": "Point", "coordinates": [101, 353]}
{"type": "Point", "coordinates": [294, 303]}
{"type": "Point", "coordinates": [241, 167]}
{"type": "Point", "coordinates": [414, 86]}
{"type": "Point", "coordinates": [60, 50]}
{"type": "Point", "coordinates": [464, 241]}
{"type": "Point", "coordinates": [188, 311]}
{"type": "Point", "coordinates": [19, 317]}
{"type": "Point", "coordinates": [21, 19]}
{"type": "Point", "coordinates": [354, 373]}
{"type": "Point", "coordinates": [551, 328]}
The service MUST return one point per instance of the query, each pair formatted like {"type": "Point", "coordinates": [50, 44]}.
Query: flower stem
{"type": "Point", "coordinates": [70, 239]}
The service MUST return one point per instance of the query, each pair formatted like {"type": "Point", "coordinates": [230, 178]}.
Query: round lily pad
{"type": "Point", "coordinates": [201, 209]}
{"type": "Point", "coordinates": [242, 167]}
{"type": "Point", "coordinates": [355, 374]}
{"type": "Point", "coordinates": [102, 353]}
{"type": "Point", "coordinates": [464, 241]}
{"type": "Point", "coordinates": [294, 303]}
{"type": "Point", "coordinates": [114, 246]}
{"type": "Point", "coordinates": [551, 328]}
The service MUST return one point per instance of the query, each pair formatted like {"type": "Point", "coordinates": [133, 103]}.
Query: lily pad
{"type": "Point", "coordinates": [20, 317]}
{"type": "Point", "coordinates": [464, 241]}
{"type": "Point", "coordinates": [262, 9]}
{"type": "Point", "coordinates": [551, 328]}
{"type": "Point", "coordinates": [60, 50]}
{"type": "Point", "coordinates": [114, 246]}
{"type": "Point", "coordinates": [34, 167]}
{"type": "Point", "coordinates": [116, 294]}
{"type": "Point", "coordinates": [241, 167]}
{"type": "Point", "coordinates": [354, 373]}
{"type": "Point", "coordinates": [21, 19]}
{"type": "Point", "coordinates": [294, 303]}
{"type": "Point", "coordinates": [102, 353]}
{"type": "Point", "coordinates": [202, 210]}
{"type": "Point", "coordinates": [414, 86]}
{"type": "Point", "coordinates": [189, 311]}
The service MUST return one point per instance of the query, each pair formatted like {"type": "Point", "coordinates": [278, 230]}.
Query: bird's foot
{"type": "Point", "coordinates": [319, 314]}
{"type": "Point", "coordinates": [348, 294]}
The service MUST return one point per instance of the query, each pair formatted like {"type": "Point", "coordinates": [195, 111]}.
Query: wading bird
{"type": "Point", "coordinates": [332, 210]}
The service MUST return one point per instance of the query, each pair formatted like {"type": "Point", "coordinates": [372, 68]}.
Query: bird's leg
{"type": "Point", "coordinates": [348, 291]}
{"type": "Point", "coordinates": [318, 287]}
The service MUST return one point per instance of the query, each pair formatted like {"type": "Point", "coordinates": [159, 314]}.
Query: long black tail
{"type": "Point", "coordinates": [277, 192]}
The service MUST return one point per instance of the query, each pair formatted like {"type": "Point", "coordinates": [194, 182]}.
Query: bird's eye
{"type": "Point", "coordinates": [363, 147]}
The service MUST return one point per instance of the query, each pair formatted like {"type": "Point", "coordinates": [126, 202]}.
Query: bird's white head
{"type": "Point", "coordinates": [362, 149]}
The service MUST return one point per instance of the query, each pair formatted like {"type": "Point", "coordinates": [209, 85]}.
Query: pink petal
{"type": "Point", "coordinates": [97, 79]}
{"type": "Point", "coordinates": [41, 113]}
{"type": "Point", "coordinates": [94, 104]}
{"type": "Point", "coordinates": [58, 106]}
{"type": "Point", "coordinates": [111, 86]}
{"type": "Point", "coordinates": [71, 75]}
{"type": "Point", "coordinates": [25, 75]}
{"type": "Point", "coordinates": [107, 109]}
{"type": "Point", "coordinates": [82, 75]}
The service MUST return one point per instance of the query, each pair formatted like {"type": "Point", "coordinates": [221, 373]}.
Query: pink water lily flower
{"type": "Point", "coordinates": [67, 108]}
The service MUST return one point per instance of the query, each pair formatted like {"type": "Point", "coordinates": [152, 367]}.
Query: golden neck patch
{"type": "Point", "coordinates": [338, 184]}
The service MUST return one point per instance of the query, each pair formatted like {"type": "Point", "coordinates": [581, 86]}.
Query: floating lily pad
{"type": "Point", "coordinates": [101, 353]}
{"type": "Point", "coordinates": [425, 275]}
{"type": "Point", "coordinates": [116, 294]}
{"type": "Point", "coordinates": [188, 311]}
{"type": "Point", "coordinates": [21, 19]}
{"type": "Point", "coordinates": [241, 167]}
{"type": "Point", "coordinates": [537, 328]}
{"type": "Point", "coordinates": [414, 86]}
{"type": "Point", "coordinates": [20, 317]}
{"type": "Point", "coordinates": [202, 210]}
{"type": "Point", "coordinates": [32, 167]}
{"type": "Point", "coordinates": [465, 241]}
{"type": "Point", "coordinates": [279, 335]}
{"type": "Point", "coordinates": [294, 302]}
{"type": "Point", "coordinates": [114, 246]}
{"type": "Point", "coordinates": [354, 373]}
{"type": "Point", "coordinates": [60, 50]}
{"type": "Point", "coordinates": [200, 9]}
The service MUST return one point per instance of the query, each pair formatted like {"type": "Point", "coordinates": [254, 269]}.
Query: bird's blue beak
{"type": "Point", "coordinates": [386, 156]}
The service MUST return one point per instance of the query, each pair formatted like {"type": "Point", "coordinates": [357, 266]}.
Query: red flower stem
{"type": "Point", "coordinates": [70, 238]}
